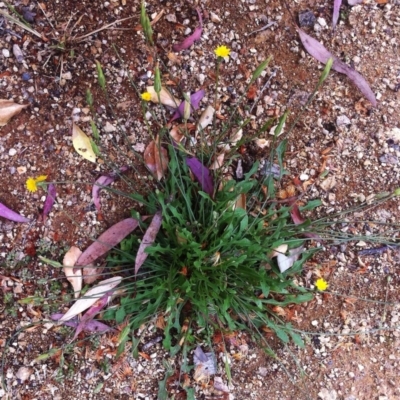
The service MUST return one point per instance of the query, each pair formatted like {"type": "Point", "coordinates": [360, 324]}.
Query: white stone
{"type": "Point", "coordinates": [12, 152]}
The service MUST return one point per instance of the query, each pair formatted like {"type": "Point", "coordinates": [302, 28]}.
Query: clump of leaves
{"type": "Point", "coordinates": [211, 261]}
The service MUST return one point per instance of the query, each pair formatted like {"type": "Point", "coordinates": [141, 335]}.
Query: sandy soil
{"type": "Point", "coordinates": [352, 332]}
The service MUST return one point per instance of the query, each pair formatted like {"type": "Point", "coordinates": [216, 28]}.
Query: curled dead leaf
{"type": "Point", "coordinates": [166, 97]}
{"type": "Point", "coordinates": [82, 144]}
{"type": "Point", "coordinates": [156, 158]}
{"type": "Point", "coordinates": [218, 162]}
{"type": "Point", "coordinates": [74, 277]}
{"type": "Point", "coordinates": [8, 109]}
{"type": "Point", "coordinates": [205, 118]}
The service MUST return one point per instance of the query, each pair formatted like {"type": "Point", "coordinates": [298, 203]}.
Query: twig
{"type": "Point", "coordinates": [263, 88]}
{"type": "Point", "coordinates": [376, 250]}
{"type": "Point", "coordinates": [263, 28]}
{"type": "Point", "coordinates": [101, 29]}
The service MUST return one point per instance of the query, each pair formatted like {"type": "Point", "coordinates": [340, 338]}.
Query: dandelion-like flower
{"type": "Point", "coordinates": [321, 284]}
{"type": "Point", "coordinates": [146, 96]}
{"type": "Point", "coordinates": [31, 183]}
{"type": "Point", "coordinates": [222, 51]}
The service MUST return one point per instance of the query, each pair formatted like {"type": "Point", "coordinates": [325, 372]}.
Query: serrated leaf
{"type": "Point", "coordinates": [82, 144]}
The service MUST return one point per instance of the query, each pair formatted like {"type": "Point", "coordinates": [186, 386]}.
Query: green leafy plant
{"type": "Point", "coordinates": [211, 261]}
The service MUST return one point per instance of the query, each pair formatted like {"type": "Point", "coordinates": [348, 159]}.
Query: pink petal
{"type": "Point", "coordinates": [148, 240]}
{"type": "Point", "coordinates": [195, 99]}
{"type": "Point", "coordinates": [5, 212]}
{"type": "Point", "coordinates": [196, 35]}
{"type": "Point", "coordinates": [336, 9]}
{"type": "Point", "coordinates": [319, 52]}
{"type": "Point", "coordinates": [202, 174]}
{"type": "Point", "coordinates": [110, 238]}
{"type": "Point", "coordinates": [50, 199]}
{"type": "Point", "coordinates": [104, 180]}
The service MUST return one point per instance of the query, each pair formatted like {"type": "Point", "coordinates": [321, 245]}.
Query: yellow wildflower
{"type": "Point", "coordinates": [146, 96]}
{"type": "Point", "coordinates": [222, 51]}
{"type": "Point", "coordinates": [31, 183]}
{"type": "Point", "coordinates": [321, 284]}
{"type": "Point", "coordinates": [41, 178]}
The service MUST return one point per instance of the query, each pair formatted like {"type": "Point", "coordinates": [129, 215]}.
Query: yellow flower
{"type": "Point", "coordinates": [222, 51]}
{"type": "Point", "coordinates": [41, 178]}
{"type": "Point", "coordinates": [321, 284]}
{"type": "Point", "coordinates": [146, 96]}
{"type": "Point", "coordinates": [31, 183]}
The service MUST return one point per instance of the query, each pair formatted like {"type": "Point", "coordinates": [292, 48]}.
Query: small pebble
{"type": "Point", "coordinates": [342, 120]}
{"type": "Point", "coordinates": [307, 18]}
{"type": "Point", "coordinates": [6, 53]}
{"type": "Point", "coordinates": [26, 76]}
{"type": "Point", "coordinates": [12, 152]}
{"type": "Point", "coordinates": [304, 177]}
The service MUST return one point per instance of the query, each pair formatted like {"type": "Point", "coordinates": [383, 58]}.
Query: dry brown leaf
{"type": "Point", "coordinates": [8, 109]}
{"type": "Point", "coordinates": [279, 311]}
{"type": "Point", "coordinates": [156, 158]}
{"type": "Point", "coordinates": [328, 183]}
{"type": "Point", "coordinates": [74, 276]}
{"type": "Point", "coordinates": [82, 144]}
{"type": "Point", "coordinates": [166, 97]}
{"type": "Point", "coordinates": [218, 162]}
{"type": "Point", "coordinates": [205, 118]}
{"type": "Point", "coordinates": [241, 201]}
{"type": "Point", "coordinates": [174, 58]}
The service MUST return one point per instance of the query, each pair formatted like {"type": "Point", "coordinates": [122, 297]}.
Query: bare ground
{"type": "Point", "coordinates": [352, 347]}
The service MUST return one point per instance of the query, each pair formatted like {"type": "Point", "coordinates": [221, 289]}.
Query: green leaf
{"type": "Point", "coordinates": [54, 264]}
{"type": "Point", "coordinates": [95, 131]}
{"type": "Point", "coordinates": [120, 315]}
{"type": "Point", "coordinates": [95, 148]}
{"type": "Point", "coordinates": [282, 121]}
{"type": "Point", "coordinates": [296, 339]}
{"type": "Point", "coordinates": [260, 69]}
{"type": "Point", "coordinates": [281, 334]}
{"type": "Point", "coordinates": [124, 334]}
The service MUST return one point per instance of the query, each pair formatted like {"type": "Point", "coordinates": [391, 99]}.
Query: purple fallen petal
{"type": "Point", "coordinates": [5, 212]}
{"type": "Point", "coordinates": [195, 99]}
{"type": "Point", "coordinates": [336, 9]}
{"type": "Point", "coordinates": [106, 241]}
{"type": "Point", "coordinates": [202, 174]}
{"type": "Point", "coordinates": [148, 240]}
{"type": "Point", "coordinates": [104, 180]}
{"type": "Point", "coordinates": [50, 199]}
{"type": "Point", "coordinates": [196, 35]}
{"type": "Point", "coordinates": [319, 52]}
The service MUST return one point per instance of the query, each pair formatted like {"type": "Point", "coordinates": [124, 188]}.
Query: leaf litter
{"type": "Point", "coordinates": [9, 109]}
{"type": "Point", "coordinates": [320, 53]}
